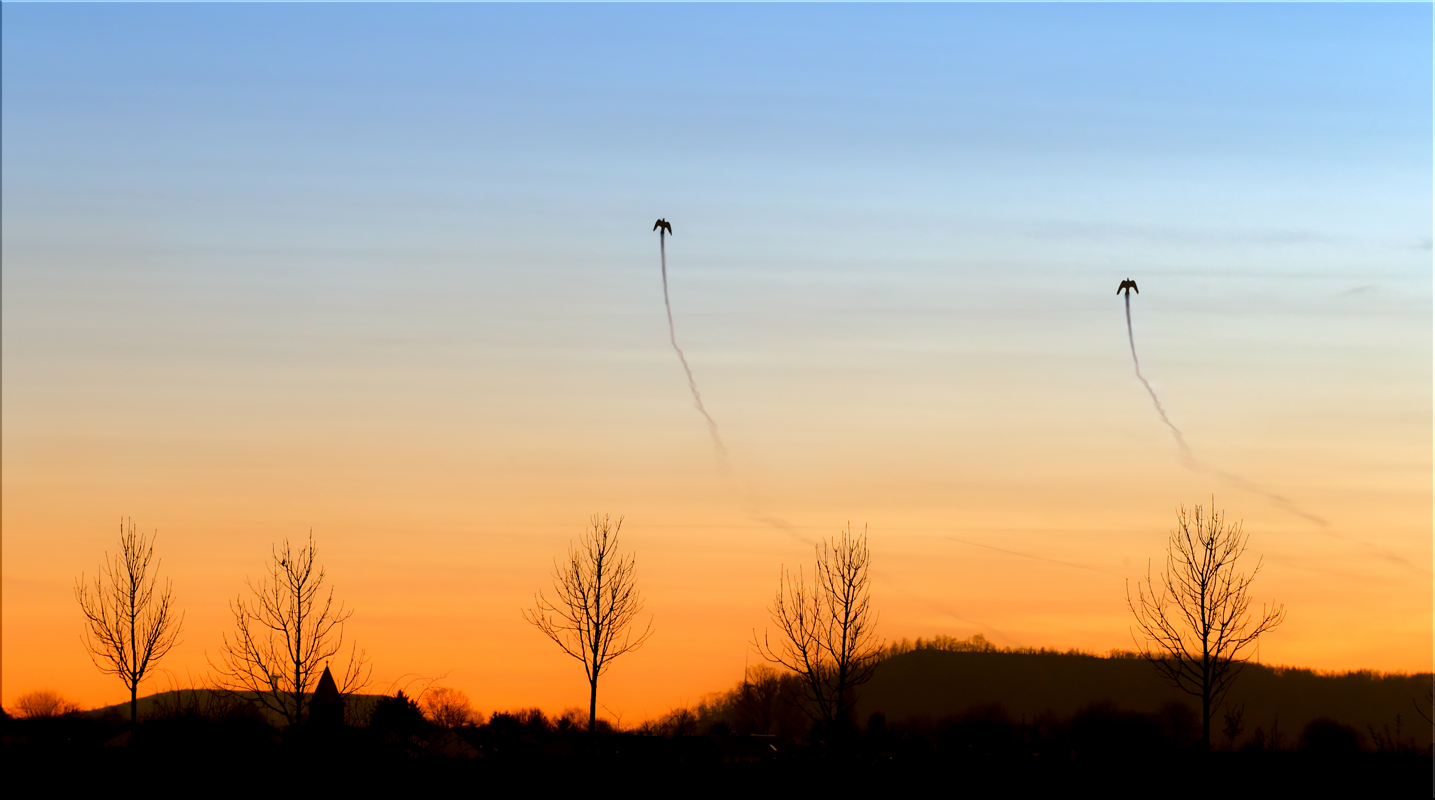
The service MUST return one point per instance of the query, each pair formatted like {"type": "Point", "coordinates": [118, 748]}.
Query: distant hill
{"type": "Point", "coordinates": [938, 683]}
{"type": "Point", "coordinates": [356, 707]}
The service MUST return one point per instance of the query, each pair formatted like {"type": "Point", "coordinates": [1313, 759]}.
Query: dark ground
{"type": "Point", "coordinates": [1101, 749]}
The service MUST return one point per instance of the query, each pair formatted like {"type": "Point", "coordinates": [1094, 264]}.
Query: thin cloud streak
{"type": "Point", "coordinates": [1034, 558]}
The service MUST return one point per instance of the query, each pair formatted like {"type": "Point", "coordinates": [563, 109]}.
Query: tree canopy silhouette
{"type": "Point", "coordinates": [285, 633]}
{"type": "Point", "coordinates": [595, 603]}
{"type": "Point", "coordinates": [447, 707]}
{"type": "Point", "coordinates": [44, 704]}
{"type": "Point", "coordinates": [1196, 620]}
{"type": "Point", "coordinates": [129, 626]}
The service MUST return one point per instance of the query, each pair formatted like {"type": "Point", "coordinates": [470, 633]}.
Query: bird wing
{"type": "Point", "coordinates": [669, 226]}
{"type": "Point", "coordinates": [657, 224]}
{"type": "Point", "coordinates": [1133, 286]}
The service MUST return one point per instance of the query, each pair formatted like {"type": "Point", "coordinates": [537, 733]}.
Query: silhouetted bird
{"type": "Point", "coordinates": [662, 223]}
{"type": "Point", "coordinates": [1128, 285]}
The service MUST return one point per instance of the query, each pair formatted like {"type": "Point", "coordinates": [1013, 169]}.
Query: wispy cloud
{"type": "Point", "coordinates": [1071, 564]}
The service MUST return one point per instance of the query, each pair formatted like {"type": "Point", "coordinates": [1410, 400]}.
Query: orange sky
{"type": "Point", "coordinates": [423, 319]}
{"type": "Point", "coordinates": [439, 501]}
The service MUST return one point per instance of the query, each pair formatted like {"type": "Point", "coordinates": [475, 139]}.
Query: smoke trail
{"type": "Point", "coordinates": [1283, 502]}
{"type": "Point", "coordinates": [1034, 558]}
{"type": "Point", "coordinates": [752, 506]}
{"type": "Point", "coordinates": [673, 337]}
{"type": "Point", "coordinates": [757, 515]}
{"type": "Point", "coordinates": [1186, 457]}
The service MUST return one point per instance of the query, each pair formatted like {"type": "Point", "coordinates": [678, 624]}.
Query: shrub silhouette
{"type": "Point", "coordinates": [1180, 727]}
{"type": "Point", "coordinates": [984, 730]}
{"type": "Point", "coordinates": [44, 704]}
{"type": "Point", "coordinates": [503, 723]}
{"type": "Point", "coordinates": [534, 722]}
{"type": "Point", "coordinates": [1102, 729]}
{"type": "Point", "coordinates": [399, 716]}
{"type": "Point", "coordinates": [572, 719]}
{"type": "Point", "coordinates": [1329, 739]}
{"type": "Point", "coordinates": [447, 707]}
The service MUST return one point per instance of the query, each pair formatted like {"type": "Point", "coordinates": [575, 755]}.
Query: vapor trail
{"type": "Point", "coordinates": [1186, 457]}
{"type": "Point", "coordinates": [673, 337]}
{"type": "Point", "coordinates": [1032, 557]}
{"type": "Point", "coordinates": [1279, 500]}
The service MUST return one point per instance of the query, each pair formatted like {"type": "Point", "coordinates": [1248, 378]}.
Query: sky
{"type": "Point", "coordinates": [386, 274]}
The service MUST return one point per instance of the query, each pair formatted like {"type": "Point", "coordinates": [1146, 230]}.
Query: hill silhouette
{"type": "Point", "coordinates": [1008, 722]}
{"type": "Point", "coordinates": [944, 681]}
{"type": "Point", "coordinates": [945, 678]}
{"type": "Point", "coordinates": [213, 702]}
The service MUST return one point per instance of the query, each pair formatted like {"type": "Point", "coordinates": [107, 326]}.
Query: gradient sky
{"type": "Point", "coordinates": [386, 273]}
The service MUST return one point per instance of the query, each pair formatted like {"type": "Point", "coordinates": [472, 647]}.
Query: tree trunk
{"type": "Point", "coordinates": [1206, 678]}
{"type": "Point", "coordinates": [134, 658]}
{"type": "Point", "coordinates": [592, 706]}
{"type": "Point", "coordinates": [1206, 719]}
{"type": "Point", "coordinates": [298, 662]}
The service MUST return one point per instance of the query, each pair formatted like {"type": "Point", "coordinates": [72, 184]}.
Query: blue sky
{"type": "Point", "coordinates": [1039, 110]}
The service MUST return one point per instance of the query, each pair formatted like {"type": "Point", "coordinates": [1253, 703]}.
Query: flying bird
{"type": "Point", "coordinates": [1127, 285]}
{"type": "Point", "coordinates": [662, 223]}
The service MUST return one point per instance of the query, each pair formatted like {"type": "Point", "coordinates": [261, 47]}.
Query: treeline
{"type": "Point", "coordinates": [938, 679]}
{"type": "Point", "coordinates": [835, 693]}
{"type": "Point", "coordinates": [753, 731]}
{"type": "Point", "coordinates": [926, 686]}
{"type": "Point", "coordinates": [978, 643]}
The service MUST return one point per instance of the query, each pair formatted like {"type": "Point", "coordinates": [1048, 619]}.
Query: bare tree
{"type": "Point", "coordinates": [827, 630]}
{"type": "Point", "coordinates": [129, 626]}
{"type": "Point", "coordinates": [447, 707]}
{"type": "Point", "coordinates": [285, 633]}
{"type": "Point", "coordinates": [1429, 702]}
{"type": "Point", "coordinates": [44, 704]}
{"type": "Point", "coordinates": [1197, 620]}
{"type": "Point", "coordinates": [596, 603]}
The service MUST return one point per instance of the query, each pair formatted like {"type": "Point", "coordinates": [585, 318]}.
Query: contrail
{"type": "Point", "coordinates": [1283, 502]}
{"type": "Point", "coordinates": [1186, 457]}
{"type": "Point", "coordinates": [777, 522]}
{"type": "Point", "coordinates": [662, 228]}
{"type": "Point", "coordinates": [752, 506]}
{"type": "Point", "coordinates": [1034, 558]}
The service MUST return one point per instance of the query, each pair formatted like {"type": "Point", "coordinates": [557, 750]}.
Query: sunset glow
{"type": "Point", "coordinates": [386, 274]}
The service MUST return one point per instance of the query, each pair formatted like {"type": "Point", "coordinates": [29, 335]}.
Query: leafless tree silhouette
{"type": "Point", "coordinates": [285, 632]}
{"type": "Point", "coordinates": [129, 626]}
{"type": "Point", "coordinates": [1235, 724]}
{"type": "Point", "coordinates": [447, 707]}
{"type": "Point", "coordinates": [596, 602]}
{"type": "Point", "coordinates": [1196, 621]}
{"type": "Point", "coordinates": [44, 704]}
{"type": "Point", "coordinates": [767, 702]}
{"type": "Point", "coordinates": [826, 630]}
